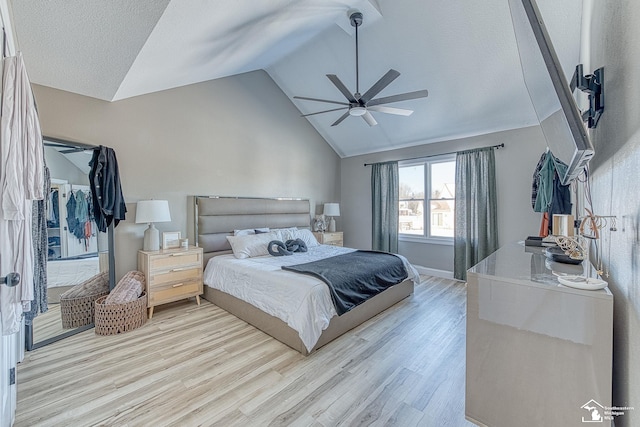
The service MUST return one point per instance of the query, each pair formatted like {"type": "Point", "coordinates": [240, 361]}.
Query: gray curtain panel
{"type": "Point", "coordinates": [476, 223]}
{"type": "Point", "coordinates": [385, 195]}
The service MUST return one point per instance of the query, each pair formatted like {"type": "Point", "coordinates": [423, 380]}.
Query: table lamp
{"type": "Point", "coordinates": [150, 211]}
{"type": "Point", "coordinates": [331, 210]}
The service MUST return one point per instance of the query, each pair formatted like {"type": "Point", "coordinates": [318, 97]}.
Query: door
{"type": "Point", "coordinates": [7, 378]}
{"type": "Point", "coordinates": [8, 360]}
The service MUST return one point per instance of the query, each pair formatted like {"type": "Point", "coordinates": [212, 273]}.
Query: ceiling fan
{"type": "Point", "coordinates": [362, 105]}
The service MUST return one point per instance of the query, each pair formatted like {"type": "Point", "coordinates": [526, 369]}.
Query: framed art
{"type": "Point", "coordinates": [170, 239]}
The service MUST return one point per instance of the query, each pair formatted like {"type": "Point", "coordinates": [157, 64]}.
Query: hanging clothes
{"type": "Point", "coordinates": [21, 182]}
{"type": "Point", "coordinates": [72, 221]}
{"type": "Point", "coordinates": [39, 225]}
{"type": "Point", "coordinates": [548, 195]}
{"type": "Point", "coordinates": [104, 178]}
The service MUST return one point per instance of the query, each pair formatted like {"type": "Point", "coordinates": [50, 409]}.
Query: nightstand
{"type": "Point", "coordinates": [329, 238]}
{"type": "Point", "coordinates": [171, 275]}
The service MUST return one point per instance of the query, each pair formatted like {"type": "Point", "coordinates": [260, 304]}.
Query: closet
{"type": "Point", "coordinates": [71, 230]}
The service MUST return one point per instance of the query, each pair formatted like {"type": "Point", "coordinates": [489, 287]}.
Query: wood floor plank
{"type": "Point", "coordinates": [198, 365]}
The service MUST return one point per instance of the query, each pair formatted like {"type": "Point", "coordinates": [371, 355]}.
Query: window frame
{"type": "Point", "coordinates": [427, 162]}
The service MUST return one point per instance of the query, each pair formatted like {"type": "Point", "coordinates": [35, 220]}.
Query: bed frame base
{"type": "Point", "coordinates": [337, 326]}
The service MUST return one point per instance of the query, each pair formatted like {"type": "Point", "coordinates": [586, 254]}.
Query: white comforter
{"type": "Point", "coordinates": [302, 302]}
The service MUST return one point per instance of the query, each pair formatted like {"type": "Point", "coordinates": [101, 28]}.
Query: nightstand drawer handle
{"type": "Point", "coordinates": [180, 254]}
{"type": "Point", "coordinates": [177, 285]}
{"type": "Point", "coordinates": [180, 269]}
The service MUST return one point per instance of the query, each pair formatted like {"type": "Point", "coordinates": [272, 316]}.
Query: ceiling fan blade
{"type": "Point", "coordinates": [325, 111]}
{"type": "Point", "coordinates": [321, 100]}
{"type": "Point", "coordinates": [341, 87]}
{"type": "Point", "coordinates": [390, 110]}
{"type": "Point", "coordinates": [342, 117]}
{"type": "Point", "coordinates": [379, 85]}
{"type": "Point", "coordinates": [400, 97]}
{"type": "Point", "coordinates": [369, 119]}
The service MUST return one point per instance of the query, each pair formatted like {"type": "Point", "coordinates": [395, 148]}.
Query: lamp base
{"type": "Point", "coordinates": [151, 239]}
{"type": "Point", "coordinates": [332, 225]}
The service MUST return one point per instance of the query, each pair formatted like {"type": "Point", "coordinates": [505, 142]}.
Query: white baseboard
{"type": "Point", "coordinates": [434, 272]}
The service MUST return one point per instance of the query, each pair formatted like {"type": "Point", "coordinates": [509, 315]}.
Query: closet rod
{"type": "Point", "coordinates": [497, 146]}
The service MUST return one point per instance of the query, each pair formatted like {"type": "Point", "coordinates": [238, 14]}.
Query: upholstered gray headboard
{"type": "Point", "coordinates": [217, 217]}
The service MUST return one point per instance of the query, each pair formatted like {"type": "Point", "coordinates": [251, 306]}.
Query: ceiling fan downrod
{"type": "Point", "coordinates": [356, 21]}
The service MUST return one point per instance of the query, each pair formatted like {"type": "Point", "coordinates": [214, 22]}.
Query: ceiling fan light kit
{"type": "Point", "coordinates": [360, 105]}
{"type": "Point", "coordinates": [357, 111]}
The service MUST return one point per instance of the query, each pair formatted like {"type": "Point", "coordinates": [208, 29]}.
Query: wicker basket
{"type": "Point", "coordinates": [112, 319]}
{"type": "Point", "coordinates": [79, 311]}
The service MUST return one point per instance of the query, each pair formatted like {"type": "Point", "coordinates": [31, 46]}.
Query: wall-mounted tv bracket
{"type": "Point", "coordinates": [593, 85]}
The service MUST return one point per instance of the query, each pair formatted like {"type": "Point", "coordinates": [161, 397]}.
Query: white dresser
{"type": "Point", "coordinates": [538, 353]}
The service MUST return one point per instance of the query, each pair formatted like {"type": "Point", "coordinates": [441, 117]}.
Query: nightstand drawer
{"type": "Point", "coordinates": [178, 259]}
{"type": "Point", "coordinates": [175, 291]}
{"type": "Point", "coordinates": [178, 274]}
{"type": "Point", "coordinates": [333, 238]}
{"type": "Point", "coordinates": [171, 274]}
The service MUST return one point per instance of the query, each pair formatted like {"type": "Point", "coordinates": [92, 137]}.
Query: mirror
{"type": "Point", "coordinates": [76, 249]}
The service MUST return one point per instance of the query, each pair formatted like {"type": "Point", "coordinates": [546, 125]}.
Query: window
{"type": "Point", "coordinates": [427, 198]}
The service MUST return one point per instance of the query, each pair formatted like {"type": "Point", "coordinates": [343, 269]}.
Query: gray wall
{"type": "Point", "coordinates": [237, 136]}
{"type": "Point", "coordinates": [615, 37]}
{"type": "Point", "coordinates": [514, 170]}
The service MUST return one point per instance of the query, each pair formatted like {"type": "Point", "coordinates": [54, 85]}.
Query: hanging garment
{"type": "Point", "coordinates": [536, 180]}
{"type": "Point", "coordinates": [52, 209]}
{"type": "Point", "coordinates": [548, 195]}
{"type": "Point", "coordinates": [21, 182]}
{"type": "Point", "coordinates": [72, 221]}
{"type": "Point", "coordinates": [80, 214]}
{"type": "Point", "coordinates": [545, 184]}
{"type": "Point", "coordinates": [104, 178]}
{"type": "Point", "coordinates": [39, 224]}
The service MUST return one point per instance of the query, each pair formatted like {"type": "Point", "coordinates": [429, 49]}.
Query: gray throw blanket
{"type": "Point", "coordinates": [355, 277]}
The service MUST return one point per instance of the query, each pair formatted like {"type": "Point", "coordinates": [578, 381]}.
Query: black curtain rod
{"type": "Point", "coordinates": [497, 146]}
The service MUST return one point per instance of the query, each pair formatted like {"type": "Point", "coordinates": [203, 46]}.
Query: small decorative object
{"type": "Point", "coordinates": [149, 212]}
{"type": "Point", "coordinates": [184, 243]}
{"type": "Point", "coordinates": [319, 224]}
{"type": "Point", "coordinates": [582, 282]}
{"type": "Point", "coordinates": [171, 239]}
{"type": "Point", "coordinates": [575, 247]}
{"type": "Point", "coordinates": [332, 210]}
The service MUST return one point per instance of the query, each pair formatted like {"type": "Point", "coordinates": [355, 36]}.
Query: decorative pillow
{"type": "Point", "coordinates": [98, 284]}
{"type": "Point", "coordinates": [287, 233]}
{"type": "Point", "coordinates": [128, 289]}
{"type": "Point", "coordinates": [307, 237]}
{"type": "Point", "coordinates": [248, 231]}
{"type": "Point", "coordinates": [252, 245]}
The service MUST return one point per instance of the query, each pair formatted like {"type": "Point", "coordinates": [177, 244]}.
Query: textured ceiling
{"type": "Point", "coordinates": [463, 51]}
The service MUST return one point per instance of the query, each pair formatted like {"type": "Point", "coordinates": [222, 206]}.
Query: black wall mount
{"type": "Point", "coordinates": [593, 85]}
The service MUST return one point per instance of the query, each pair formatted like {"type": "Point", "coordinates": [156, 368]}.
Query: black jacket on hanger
{"type": "Point", "coordinates": [106, 192]}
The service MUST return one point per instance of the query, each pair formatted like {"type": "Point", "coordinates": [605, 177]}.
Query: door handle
{"type": "Point", "coordinates": [11, 279]}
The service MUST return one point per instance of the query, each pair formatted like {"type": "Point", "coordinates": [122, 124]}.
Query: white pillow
{"type": "Point", "coordinates": [248, 231]}
{"type": "Point", "coordinates": [307, 237]}
{"type": "Point", "coordinates": [287, 233]}
{"type": "Point", "coordinates": [252, 245]}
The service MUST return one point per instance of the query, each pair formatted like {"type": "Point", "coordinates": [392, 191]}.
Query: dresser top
{"type": "Point", "coordinates": [527, 265]}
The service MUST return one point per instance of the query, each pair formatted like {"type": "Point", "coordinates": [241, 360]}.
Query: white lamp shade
{"type": "Point", "coordinates": [149, 211]}
{"type": "Point", "coordinates": [332, 209]}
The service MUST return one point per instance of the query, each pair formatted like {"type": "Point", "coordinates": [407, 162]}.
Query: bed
{"type": "Point", "coordinates": [71, 271]}
{"type": "Point", "coordinates": [217, 217]}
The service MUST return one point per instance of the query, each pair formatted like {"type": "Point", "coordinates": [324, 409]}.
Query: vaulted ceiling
{"type": "Point", "coordinates": [463, 51]}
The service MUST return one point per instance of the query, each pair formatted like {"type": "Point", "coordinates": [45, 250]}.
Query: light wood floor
{"type": "Point", "coordinates": [193, 365]}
